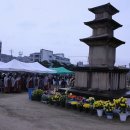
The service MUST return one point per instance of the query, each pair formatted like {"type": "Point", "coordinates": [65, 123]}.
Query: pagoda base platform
{"type": "Point", "coordinates": [104, 83]}
{"type": "Point", "coordinates": [100, 78]}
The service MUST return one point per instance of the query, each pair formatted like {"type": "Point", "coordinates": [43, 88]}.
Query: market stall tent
{"type": "Point", "coordinates": [1, 63]}
{"type": "Point", "coordinates": [15, 65]}
{"type": "Point", "coordinates": [40, 68]}
{"type": "Point", "coordinates": [62, 70]}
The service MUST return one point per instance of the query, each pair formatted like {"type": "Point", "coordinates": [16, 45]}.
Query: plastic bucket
{"type": "Point", "coordinates": [30, 90]}
{"type": "Point", "coordinates": [99, 112]}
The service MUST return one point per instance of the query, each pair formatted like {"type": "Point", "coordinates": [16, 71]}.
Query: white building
{"type": "Point", "coordinates": [61, 59]}
{"type": "Point", "coordinates": [46, 55]}
{"type": "Point", "coordinates": [35, 57]}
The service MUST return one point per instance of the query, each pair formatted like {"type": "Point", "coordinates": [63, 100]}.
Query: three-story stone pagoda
{"type": "Point", "coordinates": [101, 74]}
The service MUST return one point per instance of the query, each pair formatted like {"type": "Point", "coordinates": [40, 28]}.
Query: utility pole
{"type": "Point", "coordinates": [11, 53]}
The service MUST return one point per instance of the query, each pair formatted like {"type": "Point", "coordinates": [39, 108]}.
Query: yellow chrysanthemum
{"type": "Point", "coordinates": [86, 105]}
{"type": "Point", "coordinates": [74, 103]}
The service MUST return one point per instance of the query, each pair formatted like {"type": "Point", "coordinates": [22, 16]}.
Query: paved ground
{"type": "Point", "coordinates": [18, 113]}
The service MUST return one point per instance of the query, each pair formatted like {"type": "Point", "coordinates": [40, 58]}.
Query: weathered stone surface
{"type": "Point", "coordinates": [101, 56]}
{"type": "Point", "coordinates": [103, 79]}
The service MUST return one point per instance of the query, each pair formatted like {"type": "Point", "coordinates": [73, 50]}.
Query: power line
{"type": "Point", "coordinates": [77, 56]}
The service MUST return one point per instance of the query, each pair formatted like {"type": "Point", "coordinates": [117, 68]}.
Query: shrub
{"type": "Point", "coordinates": [37, 94]}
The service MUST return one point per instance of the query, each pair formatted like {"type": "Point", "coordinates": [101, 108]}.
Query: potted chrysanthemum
{"type": "Point", "coordinates": [123, 109]}
{"type": "Point", "coordinates": [37, 94]}
{"type": "Point", "coordinates": [116, 102]}
{"type": "Point", "coordinates": [98, 105]}
{"type": "Point", "coordinates": [108, 108]}
{"type": "Point", "coordinates": [56, 98]}
{"type": "Point", "coordinates": [74, 104]}
{"type": "Point", "coordinates": [86, 107]}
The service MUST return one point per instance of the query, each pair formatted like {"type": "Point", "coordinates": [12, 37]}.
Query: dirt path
{"type": "Point", "coordinates": [18, 113]}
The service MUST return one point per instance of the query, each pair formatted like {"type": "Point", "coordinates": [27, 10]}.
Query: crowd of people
{"type": "Point", "coordinates": [17, 82]}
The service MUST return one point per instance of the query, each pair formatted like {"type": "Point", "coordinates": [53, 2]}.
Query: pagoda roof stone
{"type": "Point", "coordinates": [102, 21]}
{"type": "Point", "coordinates": [102, 40]}
{"type": "Point", "coordinates": [106, 7]}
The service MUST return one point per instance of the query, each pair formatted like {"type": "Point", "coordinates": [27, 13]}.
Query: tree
{"type": "Point", "coordinates": [70, 67]}
{"type": "Point", "coordinates": [56, 64]}
{"type": "Point", "coordinates": [45, 63]}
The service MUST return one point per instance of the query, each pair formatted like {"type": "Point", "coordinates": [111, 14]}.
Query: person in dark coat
{"type": "Point", "coordinates": [63, 83]}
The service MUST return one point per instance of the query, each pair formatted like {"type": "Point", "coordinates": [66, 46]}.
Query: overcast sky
{"type": "Point", "coordinates": [57, 25]}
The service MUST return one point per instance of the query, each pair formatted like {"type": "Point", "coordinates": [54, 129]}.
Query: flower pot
{"type": "Point", "coordinates": [109, 116]}
{"type": "Point", "coordinates": [45, 102]}
{"type": "Point", "coordinates": [123, 116]}
{"type": "Point", "coordinates": [99, 112]}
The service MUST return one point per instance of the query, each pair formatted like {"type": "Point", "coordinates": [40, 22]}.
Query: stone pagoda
{"type": "Point", "coordinates": [101, 74]}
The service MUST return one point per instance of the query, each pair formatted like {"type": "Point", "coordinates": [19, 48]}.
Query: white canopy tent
{"type": "Point", "coordinates": [39, 68]}
{"type": "Point", "coordinates": [15, 65]}
{"type": "Point", "coordinates": [1, 63]}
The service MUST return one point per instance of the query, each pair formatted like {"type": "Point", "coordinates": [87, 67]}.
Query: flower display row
{"type": "Point", "coordinates": [80, 103]}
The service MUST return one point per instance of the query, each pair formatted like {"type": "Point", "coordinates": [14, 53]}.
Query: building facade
{"type": "Point", "coordinates": [35, 57]}
{"type": "Point", "coordinates": [46, 55]}
{"type": "Point", "coordinates": [61, 59]}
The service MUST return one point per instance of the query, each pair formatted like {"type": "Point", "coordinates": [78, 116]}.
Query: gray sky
{"type": "Point", "coordinates": [57, 25]}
